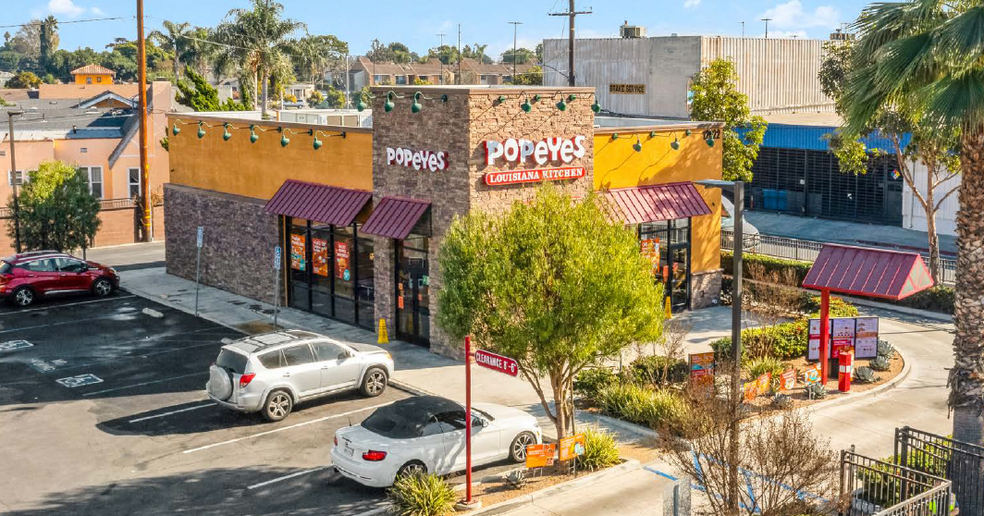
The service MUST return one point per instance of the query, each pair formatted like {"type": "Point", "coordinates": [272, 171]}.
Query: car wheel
{"type": "Point", "coordinates": [278, 406]}
{"type": "Point", "coordinates": [23, 296]}
{"type": "Point", "coordinates": [374, 383]}
{"type": "Point", "coordinates": [413, 467]}
{"type": "Point", "coordinates": [102, 287]}
{"type": "Point", "coordinates": [517, 450]}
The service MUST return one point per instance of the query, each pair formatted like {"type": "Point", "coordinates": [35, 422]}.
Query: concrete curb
{"type": "Point", "coordinates": [507, 506]}
{"type": "Point", "coordinates": [858, 396]}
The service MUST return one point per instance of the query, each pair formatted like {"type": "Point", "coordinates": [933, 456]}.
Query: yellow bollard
{"type": "Point", "coordinates": [669, 311]}
{"type": "Point", "coordinates": [383, 336]}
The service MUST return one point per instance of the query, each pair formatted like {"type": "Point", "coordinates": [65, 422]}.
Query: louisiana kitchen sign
{"type": "Point", "coordinates": [522, 151]}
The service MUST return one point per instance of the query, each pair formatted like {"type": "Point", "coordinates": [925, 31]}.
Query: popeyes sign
{"type": "Point", "coordinates": [417, 160]}
{"type": "Point", "coordinates": [547, 150]}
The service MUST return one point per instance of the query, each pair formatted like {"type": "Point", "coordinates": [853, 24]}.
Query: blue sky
{"type": "Point", "coordinates": [417, 22]}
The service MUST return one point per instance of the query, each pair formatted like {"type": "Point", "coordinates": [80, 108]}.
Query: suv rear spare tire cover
{"type": "Point", "coordinates": [219, 383]}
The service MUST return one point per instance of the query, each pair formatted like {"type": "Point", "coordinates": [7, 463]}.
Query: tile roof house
{"type": "Point", "coordinates": [93, 74]}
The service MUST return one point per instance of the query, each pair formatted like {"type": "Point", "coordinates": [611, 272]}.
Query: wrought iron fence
{"type": "Point", "coordinates": [958, 461]}
{"type": "Point", "coordinates": [807, 250]}
{"type": "Point", "coordinates": [871, 487]}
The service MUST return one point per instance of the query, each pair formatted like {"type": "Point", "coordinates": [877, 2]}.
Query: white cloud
{"type": "Point", "coordinates": [65, 7]}
{"type": "Point", "coordinates": [791, 15]}
{"type": "Point", "coordinates": [98, 12]}
{"type": "Point", "coordinates": [690, 4]}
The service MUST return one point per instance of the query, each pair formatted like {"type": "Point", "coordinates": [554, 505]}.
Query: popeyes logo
{"type": "Point", "coordinates": [417, 160]}
{"type": "Point", "coordinates": [541, 152]}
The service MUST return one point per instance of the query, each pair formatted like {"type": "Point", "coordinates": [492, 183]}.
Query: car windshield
{"type": "Point", "coordinates": [231, 361]}
{"type": "Point", "coordinates": [389, 423]}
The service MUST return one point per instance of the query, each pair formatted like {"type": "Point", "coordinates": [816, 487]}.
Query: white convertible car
{"type": "Point", "coordinates": [426, 434]}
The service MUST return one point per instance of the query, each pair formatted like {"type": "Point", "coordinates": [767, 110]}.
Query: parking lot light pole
{"type": "Point", "coordinates": [738, 189]}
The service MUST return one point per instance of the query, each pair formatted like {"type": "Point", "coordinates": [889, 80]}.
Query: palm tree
{"type": "Point", "coordinates": [199, 50]}
{"type": "Point", "coordinates": [173, 39]}
{"type": "Point", "coordinates": [933, 51]}
{"type": "Point", "coordinates": [256, 40]}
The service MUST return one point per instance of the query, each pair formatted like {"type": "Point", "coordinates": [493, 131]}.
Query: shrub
{"type": "Point", "coordinates": [938, 299]}
{"type": "Point", "coordinates": [771, 266]}
{"type": "Point", "coordinates": [422, 495]}
{"type": "Point", "coordinates": [782, 341]}
{"type": "Point", "coordinates": [838, 307]}
{"type": "Point", "coordinates": [644, 406]}
{"type": "Point", "coordinates": [590, 381]}
{"type": "Point", "coordinates": [885, 349]}
{"type": "Point", "coordinates": [651, 370]}
{"type": "Point", "coordinates": [815, 391]}
{"type": "Point", "coordinates": [864, 374]}
{"type": "Point", "coordinates": [880, 363]}
{"type": "Point", "coordinates": [782, 401]}
{"type": "Point", "coordinates": [600, 450]}
{"type": "Point", "coordinates": [759, 366]}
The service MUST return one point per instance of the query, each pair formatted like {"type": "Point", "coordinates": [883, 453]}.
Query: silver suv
{"type": "Point", "coordinates": [271, 372]}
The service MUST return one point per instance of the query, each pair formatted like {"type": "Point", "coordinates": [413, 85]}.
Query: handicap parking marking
{"type": "Point", "coordinates": [45, 366]}
{"type": "Point", "coordinates": [81, 380]}
{"type": "Point", "coordinates": [12, 345]}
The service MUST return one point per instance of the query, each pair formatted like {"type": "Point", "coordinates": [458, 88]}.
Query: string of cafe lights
{"type": "Point", "coordinates": [254, 129]}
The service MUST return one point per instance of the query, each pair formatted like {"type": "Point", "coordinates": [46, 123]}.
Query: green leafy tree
{"type": "Point", "coordinates": [313, 56]}
{"type": "Point", "coordinates": [716, 97]}
{"type": "Point", "coordinates": [539, 52]}
{"type": "Point", "coordinates": [202, 96]}
{"type": "Point", "coordinates": [476, 52]}
{"type": "Point", "coordinates": [334, 98]}
{"type": "Point", "coordinates": [24, 80]}
{"type": "Point", "coordinates": [554, 284]}
{"type": "Point", "coordinates": [446, 54]}
{"type": "Point", "coordinates": [56, 209]}
{"type": "Point", "coordinates": [48, 42]}
{"type": "Point", "coordinates": [532, 77]}
{"type": "Point", "coordinates": [199, 52]}
{"type": "Point", "coordinates": [929, 145]}
{"type": "Point", "coordinates": [521, 56]}
{"type": "Point", "coordinates": [10, 60]}
{"type": "Point", "coordinates": [257, 41]}
{"type": "Point", "coordinates": [364, 95]}
{"type": "Point", "coordinates": [931, 51]}
{"type": "Point", "coordinates": [173, 38]}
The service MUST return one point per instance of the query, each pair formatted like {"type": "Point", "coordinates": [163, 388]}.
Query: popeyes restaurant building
{"type": "Point", "coordinates": [360, 213]}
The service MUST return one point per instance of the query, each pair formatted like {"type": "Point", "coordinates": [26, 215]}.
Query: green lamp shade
{"type": "Point", "coordinates": [201, 131]}
{"type": "Point", "coordinates": [226, 134]}
{"type": "Point", "coordinates": [501, 99]}
{"type": "Point", "coordinates": [284, 141]}
{"type": "Point", "coordinates": [688, 132]}
{"type": "Point", "coordinates": [614, 136]}
{"type": "Point", "coordinates": [675, 144]}
{"type": "Point", "coordinates": [253, 137]}
{"type": "Point", "coordinates": [710, 141]}
{"type": "Point", "coordinates": [571, 98]}
{"type": "Point", "coordinates": [637, 145]}
{"type": "Point", "coordinates": [526, 106]}
{"type": "Point", "coordinates": [596, 107]}
{"type": "Point", "coordinates": [361, 106]}
{"type": "Point", "coordinates": [317, 143]}
{"type": "Point", "coordinates": [415, 107]}
{"type": "Point", "coordinates": [562, 105]}
{"type": "Point", "coordinates": [388, 106]}
{"type": "Point", "coordinates": [536, 98]}
{"type": "Point", "coordinates": [175, 130]}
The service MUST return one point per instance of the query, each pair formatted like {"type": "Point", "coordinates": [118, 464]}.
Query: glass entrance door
{"type": "Point", "coordinates": [413, 294]}
{"type": "Point", "coordinates": [668, 244]}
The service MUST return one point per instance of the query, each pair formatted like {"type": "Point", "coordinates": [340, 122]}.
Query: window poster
{"type": "Point", "coordinates": [843, 335]}
{"type": "Point", "coordinates": [319, 256]}
{"type": "Point", "coordinates": [342, 260]}
{"type": "Point", "coordinates": [866, 337]}
{"type": "Point", "coordinates": [813, 350]}
{"type": "Point", "coordinates": [297, 252]}
{"type": "Point", "coordinates": [650, 251]}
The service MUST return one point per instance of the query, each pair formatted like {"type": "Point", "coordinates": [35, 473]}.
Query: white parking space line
{"type": "Point", "coordinates": [66, 305]}
{"type": "Point", "coordinates": [268, 432]}
{"type": "Point", "coordinates": [285, 477]}
{"type": "Point", "coordinates": [201, 373]}
{"type": "Point", "coordinates": [48, 325]}
{"type": "Point", "coordinates": [139, 419]}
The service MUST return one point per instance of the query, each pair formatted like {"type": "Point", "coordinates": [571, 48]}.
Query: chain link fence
{"type": "Point", "coordinates": [807, 250]}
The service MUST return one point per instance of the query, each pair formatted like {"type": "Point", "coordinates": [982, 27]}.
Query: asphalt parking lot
{"type": "Point", "coordinates": [103, 411]}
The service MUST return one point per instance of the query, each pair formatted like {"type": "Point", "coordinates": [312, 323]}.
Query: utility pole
{"type": "Point", "coordinates": [457, 80]}
{"type": "Point", "coordinates": [767, 20]}
{"type": "Point", "coordinates": [742, 29]}
{"type": "Point", "coordinates": [515, 25]}
{"type": "Point", "coordinates": [441, 34]}
{"type": "Point", "coordinates": [148, 235]}
{"type": "Point", "coordinates": [13, 179]}
{"type": "Point", "coordinates": [571, 13]}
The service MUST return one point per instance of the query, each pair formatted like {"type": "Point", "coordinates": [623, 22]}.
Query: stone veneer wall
{"type": "Point", "coordinates": [460, 127]}
{"type": "Point", "coordinates": [237, 242]}
{"type": "Point", "coordinates": [705, 288]}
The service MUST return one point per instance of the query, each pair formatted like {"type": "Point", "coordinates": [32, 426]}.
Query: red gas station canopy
{"type": "Point", "coordinates": [868, 272]}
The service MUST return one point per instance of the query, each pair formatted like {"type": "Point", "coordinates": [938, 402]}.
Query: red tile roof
{"type": "Point", "coordinates": [657, 202]}
{"type": "Point", "coordinates": [320, 203]}
{"type": "Point", "coordinates": [868, 272]}
{"type": "Point", "coordinates": [395, 217]}
{"type": "Point", "coordinates": [93, 69]}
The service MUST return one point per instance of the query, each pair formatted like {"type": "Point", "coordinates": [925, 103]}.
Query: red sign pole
{"type": "Point", "coordinates": [824, 334]}
{"type": "Point", "coordinates": [468, 422]}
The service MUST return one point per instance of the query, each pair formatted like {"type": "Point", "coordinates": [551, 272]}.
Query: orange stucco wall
{"type": "Point", "coordinates": [94, 78]}
{"type": "Point", "coordinates": [258, 169]}
{"type": "Point", "coordinates": [618, 165]}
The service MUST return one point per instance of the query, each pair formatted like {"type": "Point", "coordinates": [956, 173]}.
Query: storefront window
{"type": "Point", "coordinates": [667, 245]}
{"type": "Point", "coordinates": [413, 290]}
{"type": "Point", "coordinates": [300, 278]}
{"type": "Point", "coordinates": [344, 247]}
{"type": "Point", "coordinates": [365, 290]}
{"type": "Point", "coordinates": [321, 270]}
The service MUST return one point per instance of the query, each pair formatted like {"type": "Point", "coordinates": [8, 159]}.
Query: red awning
{"type": "Point", "coordinates": [868, 272]}
{"type": "Point", "coordinates": [320, 203]}
{"type": "Point", "coordinates": [657, 202]}
{"type": "Point", "coordinates": [395, 217]}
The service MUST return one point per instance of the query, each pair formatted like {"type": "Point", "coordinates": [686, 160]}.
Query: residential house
{"type": "Point", "coordinates": [93, 74]}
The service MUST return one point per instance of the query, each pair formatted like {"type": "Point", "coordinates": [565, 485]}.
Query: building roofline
{"type": "Point", "coordinates": [682, 125]}
{"type": "Point", "coordinates": [219, 120]}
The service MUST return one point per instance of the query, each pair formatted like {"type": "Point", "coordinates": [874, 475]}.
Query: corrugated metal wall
{"type": "Point", "coordinates": [778, 75]}
{"type": "Point", "coordinates": [808, 137]}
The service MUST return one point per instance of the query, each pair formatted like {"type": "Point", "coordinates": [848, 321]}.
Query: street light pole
{"type": "Point", "coordinates": [738, 188]}
{"type": "Point", "coordinates": [13, 178]}
{"type": "Point", "coordinates": [515, 25]}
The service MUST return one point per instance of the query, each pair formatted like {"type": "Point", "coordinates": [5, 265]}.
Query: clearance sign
{"type": "Point", "coordinates": [521, 151]}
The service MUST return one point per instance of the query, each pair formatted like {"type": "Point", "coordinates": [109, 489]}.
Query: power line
{"type": "Point", "coordinates": [38, 24]}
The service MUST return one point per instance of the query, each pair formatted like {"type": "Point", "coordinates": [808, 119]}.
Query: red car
{"type": "Point", "coordinates": [27, 276]}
